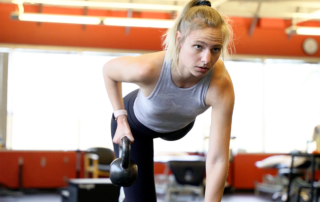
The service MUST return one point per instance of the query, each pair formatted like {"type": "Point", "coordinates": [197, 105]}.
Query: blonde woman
{"type": "Point", "coordinates": [176, 85]}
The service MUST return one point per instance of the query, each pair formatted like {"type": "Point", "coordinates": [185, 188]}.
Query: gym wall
{"type": "Point", "coordinates": [268, 38]}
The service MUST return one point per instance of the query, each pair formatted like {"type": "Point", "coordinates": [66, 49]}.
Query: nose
{"type": "Point", "coordinates": [206, 56]}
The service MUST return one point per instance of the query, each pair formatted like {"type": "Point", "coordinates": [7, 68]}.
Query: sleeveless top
{"type": "Point", "coordinates": [170, 108]}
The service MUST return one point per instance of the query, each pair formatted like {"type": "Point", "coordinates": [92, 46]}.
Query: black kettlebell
{"type": "Point", "coordinates": [123, 171]}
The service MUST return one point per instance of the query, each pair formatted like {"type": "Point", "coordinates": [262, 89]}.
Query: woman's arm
{"type": "Point", "coordinates": [221, 97]}
{"type": "Point", "coordinates": [116, 71]}
{"type": "Point", "coordinates": [138, 70]}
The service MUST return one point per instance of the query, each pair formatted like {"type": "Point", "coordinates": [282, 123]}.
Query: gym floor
{"type": "Point", "coordinates": [55, 197]}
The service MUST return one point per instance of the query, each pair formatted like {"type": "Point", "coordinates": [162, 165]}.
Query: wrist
{"type": "Point", "coordinates": [121, 118]}
{"type": "Point", "coordinates": [122, 113]}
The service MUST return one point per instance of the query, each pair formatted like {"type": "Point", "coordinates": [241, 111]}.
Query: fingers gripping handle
{"type": "Point", "coordinates": [125, 152]}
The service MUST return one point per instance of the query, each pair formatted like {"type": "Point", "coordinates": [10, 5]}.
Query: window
{"type": "Point", "coordinates": [247, 123]}
{"type": "Point", "coordinates": [277, 104]}
{"type": "Point", "coordinates": [57, 101]}
{"type": "Point", "coordinates": [292, 104]}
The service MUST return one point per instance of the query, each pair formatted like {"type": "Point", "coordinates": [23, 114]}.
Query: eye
{"type": "Point", "coordinates": [198, 47]}
{"type": "Point", "coordinates": [216, 50]}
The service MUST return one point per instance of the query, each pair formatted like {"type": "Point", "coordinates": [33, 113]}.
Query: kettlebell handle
{"type": "Point", "coordinates": [125, 152]}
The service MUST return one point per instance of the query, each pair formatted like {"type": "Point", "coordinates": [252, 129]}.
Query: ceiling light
{"type": "Point", "coordinates": [136, 22]}
{"type": "Point", "coordinates": [101, 4]}
{"type": "Point", "coordinates": [308, 30]}
{"type": "Point", "coordinates": [303, 30]}
{"type": "Point", "coordinates": [73, 19]}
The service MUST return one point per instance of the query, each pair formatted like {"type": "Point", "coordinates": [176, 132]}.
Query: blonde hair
{"type": "Point", "coordinates": [193, 17]}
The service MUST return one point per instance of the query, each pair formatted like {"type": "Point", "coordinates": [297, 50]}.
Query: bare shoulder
{"type": "Point", "coordinates": [151, 58]}
{"type": "Point", "coordinates": [140, 69]}
{"type": "Point", "coordinates": [150, 64]}
{"type": "Point", "coordinates": [220, 92]}
{"type": "Point", "coordinates": [149, 67]}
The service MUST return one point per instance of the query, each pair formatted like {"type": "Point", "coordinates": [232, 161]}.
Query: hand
{"type": "Point", "coordinates": [123, 129]}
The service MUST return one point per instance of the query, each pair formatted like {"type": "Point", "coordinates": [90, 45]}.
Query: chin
{"type": "Point", "coordinates": [199, 74]}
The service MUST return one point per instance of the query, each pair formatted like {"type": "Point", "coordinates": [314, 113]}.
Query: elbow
{"type": "Point", "coordinates": [218, 158]}
{"type": "Point", "coordinates": [105, 74]}
{"type": "Point", "coordinates": [217, 161]}
{"type": "Point", "coordinates": [217, 165]}
{"type": "Point", "coordinates": [105, 68]}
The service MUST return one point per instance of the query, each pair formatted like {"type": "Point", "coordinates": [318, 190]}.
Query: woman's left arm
{"type": "Point", "coordinates": [221, 97]}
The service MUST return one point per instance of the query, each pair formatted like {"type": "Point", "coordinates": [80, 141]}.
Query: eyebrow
{"type": "Point", "coordinates": [202, 42]}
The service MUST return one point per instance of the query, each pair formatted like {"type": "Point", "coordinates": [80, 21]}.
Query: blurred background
{"type": "Point", "coordinates": [53, 99]}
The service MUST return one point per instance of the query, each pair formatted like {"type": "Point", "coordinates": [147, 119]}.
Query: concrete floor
{"type": "Point", "coordinates": [55, 197]}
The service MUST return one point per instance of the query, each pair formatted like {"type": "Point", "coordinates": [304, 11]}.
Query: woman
{"type": "Point", "coordinates": [176, 85]}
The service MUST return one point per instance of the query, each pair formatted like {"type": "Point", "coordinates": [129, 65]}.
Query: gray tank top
{"type": "Point", "coordinates": [170, 108]}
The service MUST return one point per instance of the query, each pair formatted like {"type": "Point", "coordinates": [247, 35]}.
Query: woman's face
{"type": "Point", "coordinates": [200, 51]}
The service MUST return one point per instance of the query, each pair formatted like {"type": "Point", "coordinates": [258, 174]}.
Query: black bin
{"type": "Point", "coordinates": [91, 190]}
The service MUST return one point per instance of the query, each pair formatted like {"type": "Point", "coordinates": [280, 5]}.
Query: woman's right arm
{"type": "Point", "coordinates": [123, 69]}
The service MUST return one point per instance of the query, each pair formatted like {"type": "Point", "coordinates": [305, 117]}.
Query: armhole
{"type": "Point", "coordinates": [206, 87]}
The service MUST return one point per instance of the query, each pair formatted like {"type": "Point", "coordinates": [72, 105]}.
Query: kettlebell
{"type": "Point", "coordinates": [123, 171]}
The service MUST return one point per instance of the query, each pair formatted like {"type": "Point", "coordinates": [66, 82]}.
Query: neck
{"type": "Point", "coordinates": [183, 79]}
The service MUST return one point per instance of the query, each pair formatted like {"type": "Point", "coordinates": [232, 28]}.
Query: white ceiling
{"type": "Point", "coordinates": [297, 10]}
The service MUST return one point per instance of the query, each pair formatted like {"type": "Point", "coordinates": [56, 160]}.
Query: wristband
{"type": "Point", "coordinates": [119, 113]}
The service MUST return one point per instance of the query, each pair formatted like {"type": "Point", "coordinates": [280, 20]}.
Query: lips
{"type": "Point", "coordinates": [202, 69]}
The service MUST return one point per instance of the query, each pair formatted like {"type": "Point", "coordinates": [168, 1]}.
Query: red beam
{"type": "Point", "coordinates": [269, 37]}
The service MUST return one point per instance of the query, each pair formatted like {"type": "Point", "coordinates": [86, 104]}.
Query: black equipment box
{"type": "Point", "coordinates": [91, 190]}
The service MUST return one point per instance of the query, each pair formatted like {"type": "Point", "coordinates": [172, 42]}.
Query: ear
{"type": "Point", "coordinates": [178, 37]}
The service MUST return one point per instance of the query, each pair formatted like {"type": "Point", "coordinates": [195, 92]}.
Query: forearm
{"type": "Point", "coordinates": [216, 174]}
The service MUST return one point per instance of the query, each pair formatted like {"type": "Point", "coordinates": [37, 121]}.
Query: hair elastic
{"type": "Point", "coordinates": [203, 3]}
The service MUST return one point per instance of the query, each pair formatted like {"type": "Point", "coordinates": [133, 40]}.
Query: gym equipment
{"type": "Point", "coordinates": [279, 185]}
{"type": "Point", "coordinates": [189, 177]}
{"type": "Point", "coordinates": [89, 190]}
{"type": "Point", "coordinates": [97, 162]}
{"type": "Point", "coordinates": [123, 171]}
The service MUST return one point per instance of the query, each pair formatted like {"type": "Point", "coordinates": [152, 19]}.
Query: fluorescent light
{"type": "Point", "coordinates": [100, 4]}
{"type": "Point", "coordinates": [136, 22]}
{"type": "Point", "coordinates": [73, 19]}
{"type": "Point", "coordinates": [308, 30]}
{"type": "Point", "coordinates": [303, 30]}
